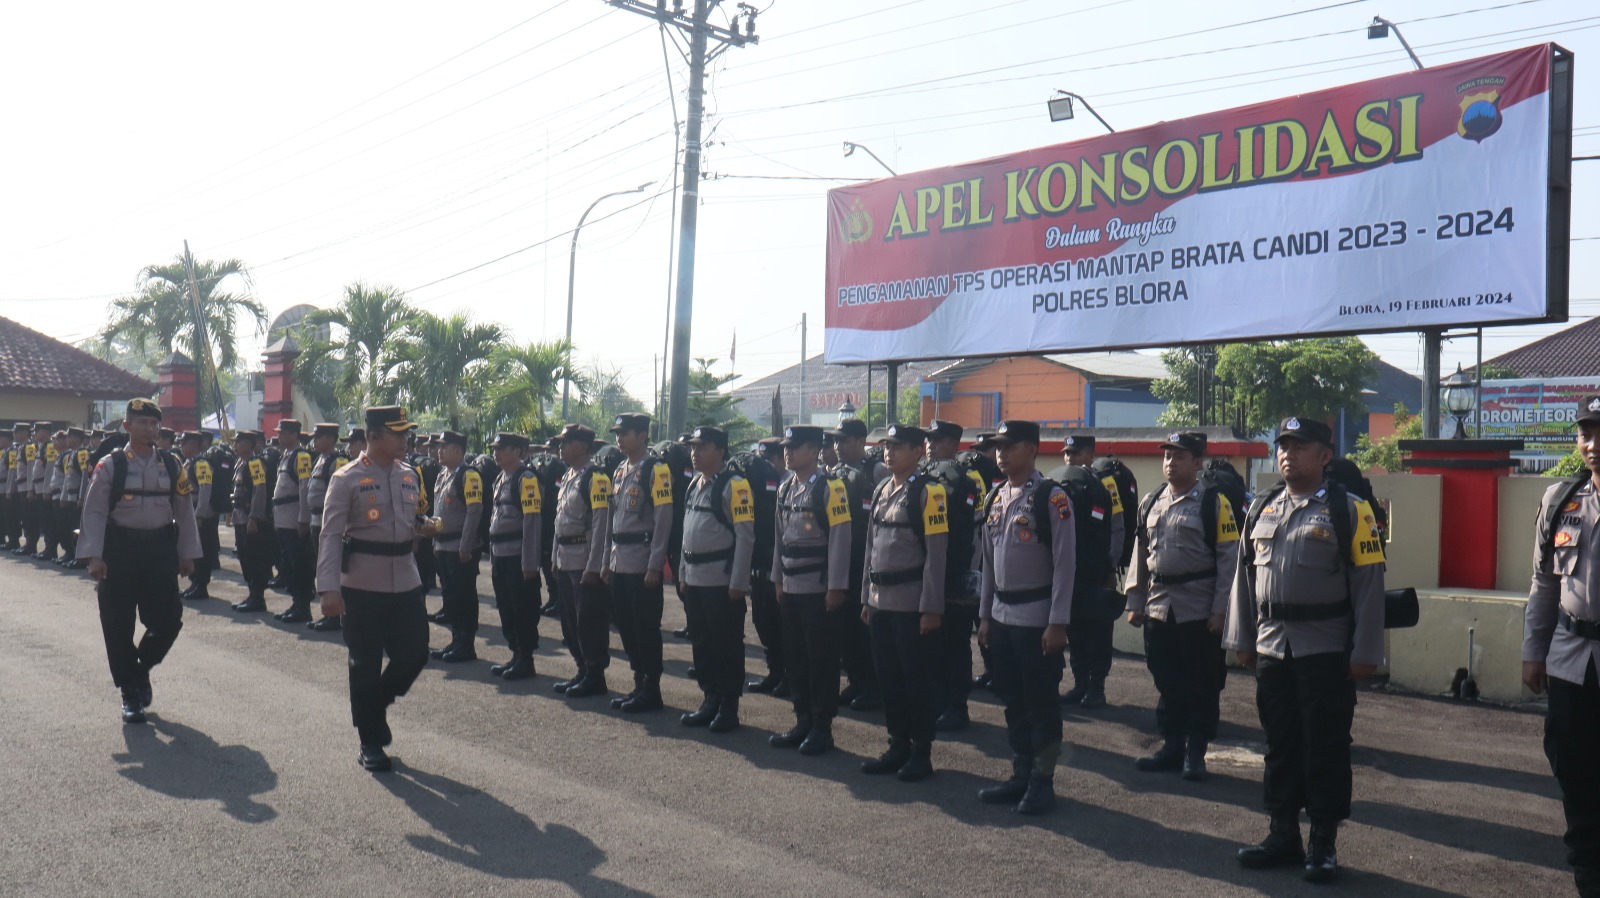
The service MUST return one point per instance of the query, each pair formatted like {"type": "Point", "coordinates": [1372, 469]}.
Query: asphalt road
{"type": "Point", "coordinates": [244, 783]}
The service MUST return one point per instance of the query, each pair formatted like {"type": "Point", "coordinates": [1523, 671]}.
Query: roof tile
{"type": "Point", "coordinates": [31, 362]}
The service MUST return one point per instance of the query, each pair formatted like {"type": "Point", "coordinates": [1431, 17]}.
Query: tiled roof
{"type": "Point", "coordinates": [1574, 352]}
{"type": "Point", "coordinates": [31, 362]}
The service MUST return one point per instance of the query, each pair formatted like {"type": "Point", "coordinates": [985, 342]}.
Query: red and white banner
{"type": "Point", "coordinates": [1418, 200]}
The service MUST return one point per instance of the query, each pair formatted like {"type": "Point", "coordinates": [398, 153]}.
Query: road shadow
{"type": "Point", "coordinates": [182, 762]}
{"type": "Point", "coordinates": [481, 832]}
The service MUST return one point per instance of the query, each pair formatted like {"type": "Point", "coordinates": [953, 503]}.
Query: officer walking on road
{"type": "Point", "coordinates": [1307, 613]}
{"type": "Point", "coordinates": [138, 537]}
{"type": "Point", "coordinates": [902, 598]}
{"type": "Point", "coordinates": [719, 534]}
{"type": "Point", "coordinates": [1184, 554]}
{"type": "Point", "coordinates": [1561, 645]}
{"type": "Point", "coordinates": [367, 572]}
{"type": "Point", "coordinates": [811, 567]}
{"type": "Point", "coordinates": [1029, 563]}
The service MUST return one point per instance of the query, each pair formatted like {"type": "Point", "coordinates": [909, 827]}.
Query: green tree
{"type": "Point", "coordinates": [1570, 466]}
{"type": "Point", "coordinates": [1254, 385]}
{"type": "Point", "coordinates": [526, 381]}
{"type": "Point", "coordinates": [352, 365]}
{"type": "Point", "coordinates": [710, 405]}
{"type": "Point", "coordinates": [604, 396]}
{"type": "Point", "coordinates": [1384, 454]}
{"type": "Point", "coordinates": [907, 411]}
{"type": "Point", "coordinates": [436, 359]}
{"type": "Point", "coordinates": [160, 319]}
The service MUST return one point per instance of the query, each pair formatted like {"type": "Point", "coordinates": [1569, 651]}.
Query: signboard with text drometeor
{"type": "Point", "coordinates": [1436, 198]}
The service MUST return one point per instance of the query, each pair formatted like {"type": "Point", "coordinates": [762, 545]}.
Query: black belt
{"type": "Point", "coordinates": [286, 500]}
{"type": "Point", "coordinates": [1175, 579]}
{"type": "Point", "coordinates": [639, 538]}
{"type": "Point", "coordinates": [1022, 596]}
{"type": "Point", "coordinates": [805, 551]}
{"type": "Point", "coordinates": [708, 557]}
{"type": "Point", "coordinates": [446, 537]}
{"type": "Point", "coordinates": [147, 493]}
{"type": "Point", "coordinates": [578, 540]}
{"type": "Point", "coordinates": [894, 578]}
{"type": "Point", "coordinates": [373, 547]}
{"type": "Point", "coordinates": [153, 536]}
{"type": "Point", "coordinates": [1304, 612]}
{"type": "Point", "coordinates": [1588, 629]}
{"type": "Point", "coordinates": [512, 537]}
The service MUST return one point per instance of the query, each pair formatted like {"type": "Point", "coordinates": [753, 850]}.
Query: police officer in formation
{"type": "Point", "coordinates": [719, 536]}
{"type": "Point", "coordinates": [765, 615]}
{"type": "Point", "coordinates": [903, 601]}
{"type": "Point", "coordinates": [1029, 564]}
{"type": "Point", "coordinates": [860, 474]}
{"type": "Point", "coordinates": [458, 504]}
{"type": "Point", "coordinates": [1184, 553]}
{"type": "Point", "coordinates": [329, 458]}
{"type": "Point", "coordinates": [372, 515]}
{"type": "Point", "coordinates": [198, 469]}
{"type": "Point", "coordinates": [291, 518]}
{"type": "Point", "coordinates": [1306, 611]}
{"type": "Point", "coordinates": [965, 489]}
{"type": "Point", "coordinates": [1561, 645]}
{"type": "Point", "coordinates": [811, 568]}
{"type": "Point", "coordinates": [516, 544]}
{"type": "Point", "coordinates": [252, 528]}
{"type": "Point", "coordinates": [1090, 635]}
{"type": "Point", "coordinates": [9, 523]}
{"type": "Point", "coordinates": [138, 537]}
{"type": "Point", "coordinates": [583, 534]}
{"type": "Point", "coordinates": [641, 528]}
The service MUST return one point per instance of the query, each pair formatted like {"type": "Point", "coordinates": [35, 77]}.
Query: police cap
{"type": "Point", "coordinates": [709, 436]}
{"type": "Point", "coordinates": [800, 434]}
{"type": "Point", "coordinates": [945, 430]}
{"type": "Point", "coordinates": [631, 421]}
{"type": "Point", "coordinates": [1589, 410]}
{"type": "Point", "coordinates": [1309, 430]}
{"type": "Point", "coordinates": [1190, 441]}
{"type": "Point", "coordinates": [1016, 432]}
{"type": "Point", "coordinates": [141, 408]}
{"type": "Point", "coordinates": [389, 417]}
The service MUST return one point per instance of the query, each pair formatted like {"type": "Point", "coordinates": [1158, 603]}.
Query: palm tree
{"type": "Point", "coordinates": [160, 319]}
{"type": "Point", "coordinates": [436, 358]}
{"type": "Point", "coordinates": [364, 322]}
{"type": "Point", "coordinates": [527, 379]}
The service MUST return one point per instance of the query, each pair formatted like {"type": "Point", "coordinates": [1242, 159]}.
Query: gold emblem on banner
{"type": "Point", "coordinates": [857, 224]}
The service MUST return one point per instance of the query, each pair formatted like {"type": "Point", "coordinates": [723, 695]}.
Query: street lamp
{"type": "Point", "coordinates": [846, 411]}
{"type": "Point", "coordinates": [1061, 108]}
{"type": "Point", "coordinates": [850, 148]}
{"type": "Point", "coordinates": [572, 271]}
{"type": "Point", "coordinates": [1379, 29]}
{"type": "Point", "coordinates": [1458, 390]}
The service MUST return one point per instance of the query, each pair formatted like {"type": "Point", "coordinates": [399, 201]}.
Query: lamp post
{"type": "Point", "coordinates": [846, 411]}
{"type": "Point", "coordinates": [1458, 395]}
{"type": "Point", "coordinates": [850, 148]}
{"type": "Point", "coordinates": [572, 271]}
{"type": "Point", "coordinates": [1061, 108]}
{"type": "Point", "coordinates": [1379, 29]}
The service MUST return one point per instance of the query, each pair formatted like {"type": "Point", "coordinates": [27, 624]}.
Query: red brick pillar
{"type": "Point", "coordinates": [180, 407]}
{"type": "Point", "coordinates": [277, 393]}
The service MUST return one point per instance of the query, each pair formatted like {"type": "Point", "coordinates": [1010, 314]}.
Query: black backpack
{"type": "Point", "coordinates": [270, 457]}
{"type": "Point", "coordinates": [119, 478]}
{"type": "Point", "coordinates": [1219, 474]}
{"type": "Point", "coordinates": [487, 472]}
{"type": "Point", "coordinates": [965, 502]}
{"type": "Point", "coordinates": [1091, 502]}
{"type": "Point", "coordinates": [675, 456]}
{"type": "Point", "coordinates": [858, 486]}
{"type": "Point", "coordinates": [764, 480]}
{"type": "Point", "coordinates": [549, 469]}
{"type": "Point", "coordinates": [1344, 472]}
{"type": "Point", "coordinates": [983, 464]}
{"type": "Point", "coordinates": [1128, 486]}
{"type": "Point", "coordinates": [1552, 517]}
{"type": "Point", "coordinates": [607, 458]}
{"type": "Point", "coordinates": [222, 463]}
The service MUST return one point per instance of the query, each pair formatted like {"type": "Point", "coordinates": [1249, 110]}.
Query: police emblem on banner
{"type": "Point", "coordinates": [857, 224]}
{"type": "Point", "coordinates": [1480, 108]}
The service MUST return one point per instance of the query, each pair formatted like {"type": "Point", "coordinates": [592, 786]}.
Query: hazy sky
{"type": "Point", "coordinates": [415, 144]}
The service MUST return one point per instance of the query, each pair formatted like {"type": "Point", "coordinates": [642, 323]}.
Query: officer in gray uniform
{"type": "Point", "coordinates": [764, 611]}
{"type": "Point", "coordinates": [55, 475]}
{"type": "Point", "coordinates": [516, 549]}
{"type": "Point", "coordinates": [138, 537]}
{"type": "Point", "coordinates": [75, 476]}
{"type": "Point", "coordinates": [252, 526]}
{"type": "Point", "coordinates": [811, 567]}
{"type": "Point", "coordinates": [328, 460]}
{"type": "Point", "coordinates": [1089, 637]}
{"type": "Point", "coordinates": [641, 530]}
{"type": "Point", "coordinates": [8, 464]}
{"type": "Point", "coordinates": [367, 572]}
{"type": "Point", "coordinates": [1307, 614]}
{"type": "Point", "coordinates": [291, 517]}
{"type": "Point", "coordinates": [583, 534]}
{"type": "Point", "coordinates": [965, 488]}
{"type": "Point", "coordinates": [203, 476]}
{"type": "Point", "coordinates": [719, 532]}
{"type": "Point", "coordinates": [861, 475]}
{"type": "Point", "coordinates": [902, 599]}
{"type": "Point", "coordinates": [1024, 609]}
{"type": "Point", "coordinates": [1561, 644]}
{"type": "Point", "coordinates": [458, 504]}
{"type": "Point", "coordinates": [38, 519]}
{"type": "Point", "coordinates": [1179, 595]}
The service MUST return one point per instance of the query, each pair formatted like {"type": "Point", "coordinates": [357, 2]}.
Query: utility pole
{"type": "Point", "coordinates": [699, 29]}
